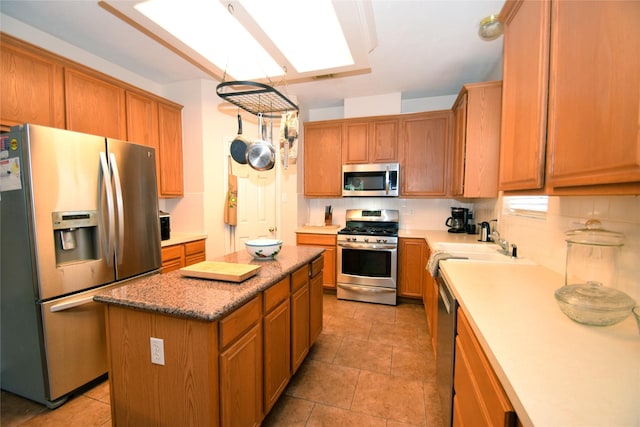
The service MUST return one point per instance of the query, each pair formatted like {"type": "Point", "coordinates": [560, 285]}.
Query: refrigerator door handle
{"type": "Point", "coordinates": [71, 304]}
{"type": "Point", "coordinates": [107, 242]}
{"type": "Point", "coordinates": [119, 206]}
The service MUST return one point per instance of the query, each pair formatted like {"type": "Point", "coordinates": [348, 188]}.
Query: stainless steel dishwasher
{"type": "Point", "coordinates": [445, 351]}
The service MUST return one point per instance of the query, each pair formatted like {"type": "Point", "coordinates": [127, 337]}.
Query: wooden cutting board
{"type": "Point", "coordinates": [216, 270]}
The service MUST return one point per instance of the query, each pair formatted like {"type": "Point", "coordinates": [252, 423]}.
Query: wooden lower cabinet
{"type": "Point", "coordinates": [277, 341]}
{"type": "Point", "coordinates": [479, 398]}
{"type": "Point", "coordinates": [241, 381]}
{"type": "Point", "coordinates": [412, 263]}
{"type": "Point", "coordinates": [299, 317]}
{"type": "Point", "coordinates": [329, 243]}
{"type": "Point", "coordinates": [194, 252]}
{"type": "Point", "coordinates": [183, 254]}
{"type": "Point", "coordinates": [172, 258]}
{"type": "Point", "coordinates": [316, 292]}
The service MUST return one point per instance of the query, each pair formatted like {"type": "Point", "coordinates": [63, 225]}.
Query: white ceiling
{"type": "Point", "coordinates": [425, 48]}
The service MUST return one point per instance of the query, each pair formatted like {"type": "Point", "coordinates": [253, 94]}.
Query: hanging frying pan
{"type": "Point", "coordinates": [261, 155]}
{"type": "Point", "coordinates": [239, 145]}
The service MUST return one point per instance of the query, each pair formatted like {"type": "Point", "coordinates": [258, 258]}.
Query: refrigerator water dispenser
{"type": "Point", "coordinates": [75, 236]}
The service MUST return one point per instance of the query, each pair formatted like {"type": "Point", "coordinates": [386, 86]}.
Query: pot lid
{"type": "Point", "coordinates": [594, 296]}
{"type": "Point", "coordinates": [594, 234]}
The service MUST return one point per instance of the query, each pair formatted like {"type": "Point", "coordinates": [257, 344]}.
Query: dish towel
{"type": "Point", "coordinates": [433, 265]}
{"type": "Point", "coordinates": [231, 199]}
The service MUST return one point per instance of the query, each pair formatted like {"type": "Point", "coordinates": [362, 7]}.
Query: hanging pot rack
{"type": "Point", "coordinates": [256, 98]}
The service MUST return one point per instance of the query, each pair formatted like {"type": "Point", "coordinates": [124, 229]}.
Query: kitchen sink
{"type": "Point", "coordinates": [489, 257]}
{"type": "Point", "coordinates": [454, 248]}
{"type": "Point", "coordinates": [479, 252]}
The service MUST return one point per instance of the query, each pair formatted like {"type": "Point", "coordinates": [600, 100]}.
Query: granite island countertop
{"type": "Point", "coordinates": [176, 295]}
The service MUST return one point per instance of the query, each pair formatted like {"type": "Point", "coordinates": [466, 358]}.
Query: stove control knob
{"type": "Point", "coordinates": [366, 239]}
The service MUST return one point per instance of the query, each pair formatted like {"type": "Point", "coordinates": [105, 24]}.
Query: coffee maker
{"type": "Point", "coordinates": [457, 222]}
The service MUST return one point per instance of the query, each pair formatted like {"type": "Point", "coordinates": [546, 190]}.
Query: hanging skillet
{"type": "Point", "coordinates": [239, 145]}
{"type": "Point", "coordinates": [261, 155]}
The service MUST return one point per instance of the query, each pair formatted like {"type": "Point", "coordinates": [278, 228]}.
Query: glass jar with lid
{"type": "Point", "coordinates": [588, 295]}
{"type": "Point", "coordinates": [592, 255]}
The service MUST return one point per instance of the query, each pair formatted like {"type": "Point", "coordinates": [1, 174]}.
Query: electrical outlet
{"type": "Point", "coordinates": [157, 351]}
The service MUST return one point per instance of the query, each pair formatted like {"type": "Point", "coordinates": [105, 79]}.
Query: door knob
{"type": "Point", "coordinates": [272, 229]}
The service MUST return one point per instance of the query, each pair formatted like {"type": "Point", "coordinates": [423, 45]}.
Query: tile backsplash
{"type": "Point", "coordinates": [543, 240]}
{"type": "Point", "coordinates": [539, 239]}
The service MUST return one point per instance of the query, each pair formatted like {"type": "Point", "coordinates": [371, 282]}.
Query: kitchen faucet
{"type": "Point", "coordinates": [504, 243]}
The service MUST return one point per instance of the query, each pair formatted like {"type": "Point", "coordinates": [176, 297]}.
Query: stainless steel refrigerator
{"type": "Point", "coordinates": [78, 214]}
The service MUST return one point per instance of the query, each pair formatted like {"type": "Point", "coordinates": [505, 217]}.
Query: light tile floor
{"type": "Point", "coordinates": [372, 365]}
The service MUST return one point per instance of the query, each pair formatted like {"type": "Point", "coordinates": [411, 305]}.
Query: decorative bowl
{"type": "Point", "coordinates": [263, 248]}
{"type": "Point", "coordinates": [594, 304]}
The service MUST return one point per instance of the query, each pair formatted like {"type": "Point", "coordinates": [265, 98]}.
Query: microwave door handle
{"type": "Point", "coordinates": [386, 181]}
{"type": "Point", "coordinates": [119, 206]}
{"type": "Point", "coordinates": [107, 241]}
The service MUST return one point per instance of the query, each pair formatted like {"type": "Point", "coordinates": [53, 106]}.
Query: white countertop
{"type": "Point", "coordinates": [555, 371]}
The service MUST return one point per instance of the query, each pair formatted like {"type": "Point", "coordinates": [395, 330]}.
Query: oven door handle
{"type": "Point", "coordinates": [367, 288]}
{"type": "Point", "coordinates": [367, 246]}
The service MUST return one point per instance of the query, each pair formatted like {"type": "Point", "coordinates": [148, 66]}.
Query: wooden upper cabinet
{"type": "Point", "coordinates": [476, 140]}
{"type": "Point", "coordinates": [458, 141]}
{"type": "Point", "coordinates": [370, 141]}
{"type": "Point", "coordinates": [423, 152]}
{"type": "Point", "coordinates": [31, 87]}
{"type": "Point", "coordinates": [594, 94]}
{"type": "Point", "coordinates": [524, 98]}
{"type": "Point", "coordinates": [94, 105]}
{"type": "Point", "coordinates": [355, 148]}
{"type": "Point", "coordinates": [158, 125]}
{"type": "Point", "coordinates": [323, 159]}
{"type": "Point", "coordinates": [170, 140]}
{"type": "Point", "coordinates": [142, 124]}
{"type": "Point", "coordinates": [142, 120]}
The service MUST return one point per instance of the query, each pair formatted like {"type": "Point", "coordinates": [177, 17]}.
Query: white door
{"type": "Point", "coordinates": [256, 204]}
{"type": "Point", "coordinates": [257, 210]}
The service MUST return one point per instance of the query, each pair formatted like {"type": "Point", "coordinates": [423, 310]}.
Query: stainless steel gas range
{"type": "Point", "coordinates": [368, 256]}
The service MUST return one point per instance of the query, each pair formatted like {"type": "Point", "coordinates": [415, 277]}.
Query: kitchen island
{"type": "Point", "coordinates": [227, 350]}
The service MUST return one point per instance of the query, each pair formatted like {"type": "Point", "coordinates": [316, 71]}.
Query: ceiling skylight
{"type": "Point", "coordinates": [259, 40]}
{"type": "Point", "coordinates": [210, 29]}
{"type": "Point", "coordinates": [311, 38]}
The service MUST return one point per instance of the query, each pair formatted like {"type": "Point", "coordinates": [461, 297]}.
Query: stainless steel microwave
{"type": "Point", "coordinates": [371, 180]}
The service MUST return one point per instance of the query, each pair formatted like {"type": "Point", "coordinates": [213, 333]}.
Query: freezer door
{"type": "Point", "coordinates": [74, 340]}
{"type": "Point", "coordinates": [136, 204]}
{"type": "Point", "coordinates": [60, 171]}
